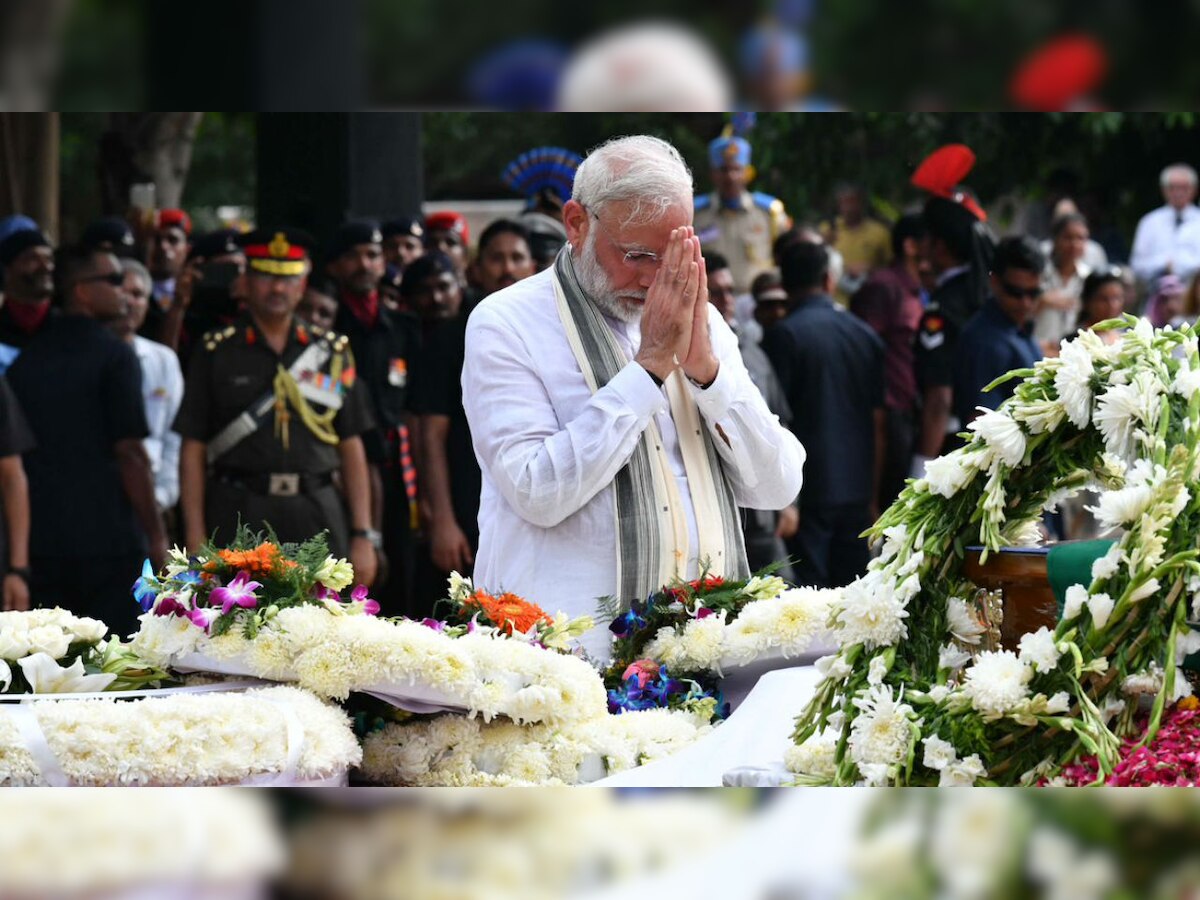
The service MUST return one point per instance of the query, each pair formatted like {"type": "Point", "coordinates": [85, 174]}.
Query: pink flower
{"type": "Point", "coordinates": [239, 592]}
{"type": "Point", "coordinates": [644, 670]}
{"type": "Point", "coordinates": [703, 612]}
{"type": "Point", "coordinates": [169, 605]}
{"type": "Point", "coordinates": [359, 595]}
{"type": "Point", "coordinates": [203, 617]}
{"type": "Point", "coordinates": [324, 593]}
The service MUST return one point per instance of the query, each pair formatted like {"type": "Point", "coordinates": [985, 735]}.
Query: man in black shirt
{"type": "Point", "coordinates": [830, 364]}
{"type": "Point", "coordinates": [305, 408]}
{"type": "Point", "coordinates": [28, 262]}
{"type": "Point", "coordinates": [384, 343]}
{"type": "Point", "coordinates": [451, 480]}
{"type": "Point", "coordinates": [90, 482]}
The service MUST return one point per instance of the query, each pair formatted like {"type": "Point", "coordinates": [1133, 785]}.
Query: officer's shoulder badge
{"type": "Point", "coordinates": [703, 201]}
{"type": "Point", "coordinates": [766, 201]}
{"type": "Point", "coordinates": [933, 331]}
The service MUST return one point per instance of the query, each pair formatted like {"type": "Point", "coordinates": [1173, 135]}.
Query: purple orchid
{"type": "Point", "coordinates": [203, 617]}
{"type": "Point", "coordinates": [169, 605]}
{"type": "Point", "coordinates": [239, 592]}
{"type": "Point", "coordinates": [324, 593]}
{"type": "Point", "coordinates": [435, 624]}
{"type": "Point", "coordinates": [359, 595]}
{"type": "Point", "coordinates": [703, 612]}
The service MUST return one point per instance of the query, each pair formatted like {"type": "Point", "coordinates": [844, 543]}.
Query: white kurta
{"type": "Point", "coordinates": [1159, 242]}
{"type": "Point", "coordinates": [549, 449]}
{"type": "Point", "coordinates": [162, 392]}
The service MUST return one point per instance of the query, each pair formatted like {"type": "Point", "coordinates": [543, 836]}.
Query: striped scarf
{"type": "Point", "coordinates": [652, 532]}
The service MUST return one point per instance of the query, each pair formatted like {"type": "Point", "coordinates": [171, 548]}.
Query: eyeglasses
{"type": "Point", "coordinates": [635, 259]}
{"type": "Point", "coordinates": [1013, 291]}
{"type": "Point", "coordinates": [116, 279]}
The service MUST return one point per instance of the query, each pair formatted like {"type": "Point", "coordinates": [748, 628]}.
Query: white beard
{"type": "Point", "coordinates": [598, 286]}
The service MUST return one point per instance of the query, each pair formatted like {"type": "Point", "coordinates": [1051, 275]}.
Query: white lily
{"type": "Point", "coordinates": [45, 676]}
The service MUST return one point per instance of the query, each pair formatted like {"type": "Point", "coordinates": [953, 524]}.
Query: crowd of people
{"type": "Point", "coordinates": [162, 386]}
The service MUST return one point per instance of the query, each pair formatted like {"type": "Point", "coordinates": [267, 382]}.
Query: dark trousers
{"type": "Point", "coordinates": [829, 550]}
{"type": "Point", "coordinates": [897, 459]}
{"type": "Point", "coordinates": [396, 591]}
{"type": "Point", "coordinates": [99, 587]}
{"type": "Point", "coordinates": [763, 546]}
{"type": "Point", "coordinates": [294, 519]}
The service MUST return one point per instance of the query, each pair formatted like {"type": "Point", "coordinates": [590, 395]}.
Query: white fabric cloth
{"type": "Point", "coordinates": [162, 393]}
{"type": "Point", "coordinates": [549, 449]}
{"type": "Point", "coordinates": [1158, 243]}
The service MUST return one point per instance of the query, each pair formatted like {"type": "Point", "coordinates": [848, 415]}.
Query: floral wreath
{"type": "Point", "coordinates": [913, 698]}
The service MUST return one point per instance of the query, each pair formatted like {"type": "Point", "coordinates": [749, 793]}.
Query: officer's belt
{"type": "Point", "coordinates": [251, 419]}
{"type": "Point", "coordinates": [276, 484]}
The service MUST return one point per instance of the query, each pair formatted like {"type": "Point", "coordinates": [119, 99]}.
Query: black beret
{"type": "Point", "coordinates": [403, 225]}
{"type": "Point", "coordinates": [111, 231]}
{"type": "Point", "coordinates": [20, 241]}
{"type": "Point", "coordinates": [351, 234]}
{"type": "Point", "coordinates": [215, 243]}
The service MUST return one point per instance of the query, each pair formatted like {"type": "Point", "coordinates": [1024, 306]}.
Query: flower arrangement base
{"type": "Point", "coordinates": [1019, 575]}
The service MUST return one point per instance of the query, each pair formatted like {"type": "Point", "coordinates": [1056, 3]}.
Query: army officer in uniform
{"type": "Point", "coordinates": [271, 411]}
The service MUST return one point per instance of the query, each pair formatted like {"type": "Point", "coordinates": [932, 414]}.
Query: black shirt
{"type": "Point", "coordinates": [13, 336]}
{"type": "Point", "coordinates": [439, 392]}
{"type": "Point", "coordinates": [81, 389]}
{"type": "Point", "coordinates": [991, 345]}
{"type": "Point", "coordinates": [234, 368]}
{"type": "Point", "coordinates": [951, 304]}
{"type": "Point", "coordinates": [385, 353]}
{"type": "Point", "coordinates": [830, 364]}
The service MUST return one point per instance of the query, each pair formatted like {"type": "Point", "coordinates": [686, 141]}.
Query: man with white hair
{"type": "Point", "coordinates": [1167, 239]}
{"type": "Point", "coordinates": [615, 424]}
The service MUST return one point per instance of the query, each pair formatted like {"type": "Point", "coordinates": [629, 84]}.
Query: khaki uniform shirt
{"type": "Point", "coordinates": [743, 235]}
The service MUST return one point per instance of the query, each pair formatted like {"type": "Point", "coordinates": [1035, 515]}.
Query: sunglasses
{"type": "Point", "coordinates": [116, 279]}
{"type": "Point", "coordinates": [1018, 293]}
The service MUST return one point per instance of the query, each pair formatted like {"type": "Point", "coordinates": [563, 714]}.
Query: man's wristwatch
{"type": "Point", "coordinates": [375, 537]}
{"type": "Point", "coordinates": [21, 572]}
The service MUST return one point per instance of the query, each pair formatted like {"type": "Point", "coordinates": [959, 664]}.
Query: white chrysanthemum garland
{"type": "Point", "coordinates": [460, 752]}
{"type": "Point", "coordinates": [131, 845]}
{"type": "Point", "coordinates": [53, 651]}
{"type": "Point", "coordinates": [911, 664]}
{"type": "Point", "coordinates": [185, 739]}
{"type": "Point", "coordinates": [333, 651]}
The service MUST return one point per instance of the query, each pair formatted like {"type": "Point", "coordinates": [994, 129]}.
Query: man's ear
{"type": "Point", "coordinates": [576, 220]}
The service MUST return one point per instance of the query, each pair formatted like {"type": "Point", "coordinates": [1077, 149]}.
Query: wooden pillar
{"type": "Point", "coordinates": [29, 167]}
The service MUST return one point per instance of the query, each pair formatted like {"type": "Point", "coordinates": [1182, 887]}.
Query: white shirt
{"type": "Point", "coordinates": [549, 449]}
{"type": "Point", "coordinates": [1054, 324]}
{"type": "Point", "coordinates": [1158, 243]}
{"type": "Point", "coordinates": [162, 392]}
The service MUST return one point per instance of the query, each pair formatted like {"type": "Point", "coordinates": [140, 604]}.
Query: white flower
{"type": "Point", "coordinates": [1187, 381]}
{"type": "Point", "coordinates": [962, 621]}
{"type": "Point", "coordinates": [938, 753]}
{"type": "Point", "coordinates": [1038, 649]}
{"type": "Point", "coordinates": [1125, 506]}
{"type": "Point", "coordinates": [877, 669]}
{"type": "Point", "coordinates": [1113, 706]}
{"type": "Point", "coordinates": [49, 639]}
{"type": "Point", "coordinates": [1187, 643]}
{"type": "Point", "coordinates": [833, 668]}
{"type": "Point", "coordinates": [997, 682]}
{"type": "Point", "coordinates": [938, 693]}
{"type": "Point", "coordinates": [1074, 601]}
{"type": "Point", "coordinates": [1073, 381]}
{"type": "Point", "coordinates": [881, 733]}
{"type": "Point", "coordinates": [335, 574]}
{"type": "Point", "coordinates": [1003, 435]}
{"type": "Point", "coordinates": [951, 656]}
{"type": "Point", "coordinates": [1064, 872]}
{"type": "Point", "coordinates": [871, 614]}
{"type": "Point", "coordinates": [893, 540]}
{"type": "Point", "coordinates": [767, 588]}
{"type": "Point", "coordinates": [14, 643]}
{"type": "Point", "coordinates": [947, 475]}
{"type": "Point", "coordinates": [1148, 682]}
{"type": "Point", "coordinates": [5, 676]}
{"type": "Point", "coordinates": [1182, 687]}
{"type": "Point", "coordinates": [816, 756]}
{"type": "Point", "coordinates": [964, 773]}
{"type": "Point", "coordinates": [88, 630]}
{"type": "Point", "coordinates": [1107, 565]}
{"type": "Point", "coordinates": [460, 588]}
{"type": "Point", "coordinates": [46, 676]}
{"type": "Point", "coordinates": [1101, 607]}
{"type": "Point", "coordinates": [1058, 704]}
{"type": "Point", "coordinates": [1123, 406]}
{"type": "Point", "coordinates": [1040, 416]}
{"type": "Point", "coordinates": [1149, 589]}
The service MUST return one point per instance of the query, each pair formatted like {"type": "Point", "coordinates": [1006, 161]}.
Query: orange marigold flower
{"type": "Point", "coordinates": [262, 560]}
{"type": "Point", "coordinates": [1189, 703]}
{"type": "Point", "coordinates": [508, 612]}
